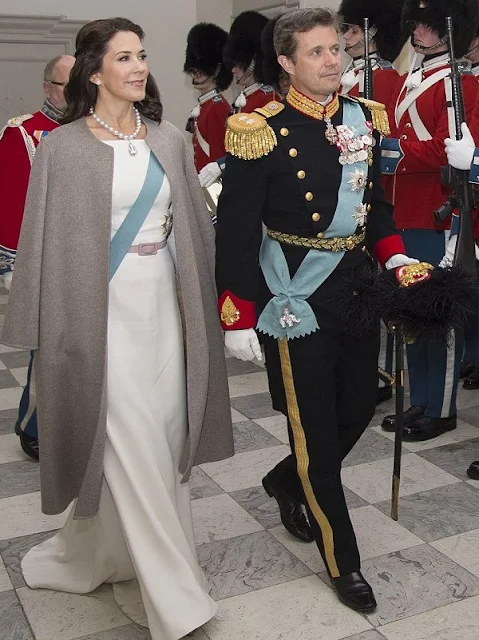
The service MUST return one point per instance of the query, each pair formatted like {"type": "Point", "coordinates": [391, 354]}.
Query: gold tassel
{"type": "Point", "coordinates": [379, 116]}
{"type": "Point", "coordinates": [249, 137]}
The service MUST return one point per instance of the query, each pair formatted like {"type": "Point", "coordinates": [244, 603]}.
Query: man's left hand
{"type": "Point", "coordinates": [399, 260]}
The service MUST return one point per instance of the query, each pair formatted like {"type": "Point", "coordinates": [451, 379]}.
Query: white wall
{"type": "Point", "coordinates": [219, 12]}
{"type": "Point", "coordinates": [166, 24]}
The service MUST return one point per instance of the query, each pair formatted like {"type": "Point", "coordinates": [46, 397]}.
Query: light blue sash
{"type": "Point", "coordinates": [136, 216]}
{"type": "Point", "coordinates": [290, 295]}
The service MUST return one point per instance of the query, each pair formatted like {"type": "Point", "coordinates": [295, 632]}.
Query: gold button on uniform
{"type": "Point", "coordinates": [309, 196]}
{"type": "Point", "coordinates": [301, 174]}
{"type": "Point", "coordinates": [316, 217]}
{"type": "Point", "coordinates": [368, 208]}
{"type": "Point", "coordinates": [364, 249]}
{"type": "Point", "coordinates": [320, 235]}
{"type": "Point", "coordinates": [371, 185]}
{"type": "Point", "coordinates": [293, 152]}
{"type": "Point", "coordinates": [408, 125]}
{"type": "Point", "coordinates": [404, 136]}
{"type": "Point", "coordinates": [284, 132]}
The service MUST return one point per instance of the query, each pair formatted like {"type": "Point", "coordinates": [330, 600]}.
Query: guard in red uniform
{"type": "Point", "coordinates": [421, 117]}
{"type": "Point", "coordinates": [18, 141]}
{"type": "Point", "coordinates": [204, 63]}
{"type": "Point", "coordinates": [243, 55]}
{"type": "Point", "coordinates": [386, 42]}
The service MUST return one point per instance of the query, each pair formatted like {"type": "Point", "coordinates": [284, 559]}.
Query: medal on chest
{"type": "Point", "coordinates": [351, 146]}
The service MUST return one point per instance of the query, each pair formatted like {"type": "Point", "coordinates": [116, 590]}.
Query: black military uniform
{"type": "Point", "coordinates": [325, 382]}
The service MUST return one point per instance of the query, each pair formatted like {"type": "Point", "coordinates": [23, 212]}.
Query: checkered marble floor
{"type": "Point", "coordinates": [424, 569]}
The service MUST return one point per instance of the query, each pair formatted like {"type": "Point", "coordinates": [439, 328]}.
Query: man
{"type": "Point", "coordinates": [18, 141]}
{"type": "Point", "coordinates": [204, 63]}
{"type": "Point", "coordinates": [463, 154]}
{"type": "Point", "coordinates": [421, 117]}
{"type": "Point", "coordinates": [385, 44]}
{"type": "Point", "coordinates": [243, 55]}
{"type": "Point", "coordinates": [314, 195]}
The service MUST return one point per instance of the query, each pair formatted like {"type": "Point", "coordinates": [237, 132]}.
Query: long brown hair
{"type": "Point", "coordinates": [91, 46]}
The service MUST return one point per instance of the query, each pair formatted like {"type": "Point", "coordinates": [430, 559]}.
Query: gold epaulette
{"type": "Point", "coordinates": [249, 136]}
{"type": "Point", "coordinates": [379, 114]}
{"type": "Point", "coordinates": [18, 120]}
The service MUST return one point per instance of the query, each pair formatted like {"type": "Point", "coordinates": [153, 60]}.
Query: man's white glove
{"type": "Point", "coordinates": [448, 259]}
{"type": "Point", "coordinates": [209, 174]}
{"type": "Point", "coordinates": [399, 260]}
{"type": "Point", "coordinates": [243, 344]}
{"type": "Point", "coordinates": [461, 152]}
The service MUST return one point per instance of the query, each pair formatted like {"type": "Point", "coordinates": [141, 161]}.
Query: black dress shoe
{"type": "Point", "coordinates": [473, 471]}
{"type": "Point", "coordinates": [472, 381]}
{"type": "Point", "coordinates": [466, 369]}
{"type": "Point", "coordinates": [292, 514]}
{"type": "Point", "coordinates": [426, 428]}
{"type": "Point", "coordinates": [384, 393]}
{"type": "Point", "coordinates": [28, 444]}
{"type": "Point", "coordinates": [355, 592]}
{"type": "Point", "coordinates": [411, 414]}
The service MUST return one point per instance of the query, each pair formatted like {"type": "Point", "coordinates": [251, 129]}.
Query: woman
{"type": "Point", "coordinates": [131, 391]}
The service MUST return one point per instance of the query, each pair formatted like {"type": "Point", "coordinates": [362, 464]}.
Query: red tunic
{"type": "Point", "coordinates": [415, 189]}
{"type": "Point", "coordinates": [384, 81]}
{"type": "Point", "coordinates": [15, 166]}
{"type": "Point", "coordinates": [209, 131]}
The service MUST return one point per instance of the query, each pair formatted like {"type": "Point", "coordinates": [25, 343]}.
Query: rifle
{"type": "Point", "coordinates": [465, 255]}
{"type": "Point", "coordinates": [368, 91]}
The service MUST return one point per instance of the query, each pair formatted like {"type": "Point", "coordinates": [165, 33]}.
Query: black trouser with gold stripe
{"type": "Point", "coordinates": [326, 384]}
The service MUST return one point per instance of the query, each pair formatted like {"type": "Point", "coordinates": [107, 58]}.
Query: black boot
{"type": "Point", "coordinates": [355, 592]}
{"type": "Point", "coordinates": [473, 471]}
{"type": "Point", "coordinates": [411, 414]}
{"type": "Point", "coordinates": [472, 381]}
{"type": "Point", "coordinates": [28, 444]}
{"type": "Point", "coordinates": [466, 369]}
{"type": "Point", "coordinates": [425, 428]}
{"type": "Point", "coordinates": [292, 514]}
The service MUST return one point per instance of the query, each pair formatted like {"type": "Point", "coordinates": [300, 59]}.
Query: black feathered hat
{"type": "Point", "coordinates": [243, 45]}
{"type": "Point", "coordinates": [433, 13]}
{"type": "Point", "coordinates": [204, 52]}
{"type": "Point", "coordinates": [272, 70]}
{"type": "Point", "coordinates": [384, 16]}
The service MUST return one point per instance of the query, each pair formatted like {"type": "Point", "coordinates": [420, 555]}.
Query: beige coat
{"type": "Point", "coordinates": [58, 306]}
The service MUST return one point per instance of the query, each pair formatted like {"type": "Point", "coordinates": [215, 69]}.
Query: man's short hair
{"type": "Point", "coordinates": [300, 21]}
{"type": "Point", "coordinates": [47, 73]}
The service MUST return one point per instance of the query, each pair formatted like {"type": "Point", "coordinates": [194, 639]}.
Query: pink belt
{"type": "Point", "coordinates": [147, 248]}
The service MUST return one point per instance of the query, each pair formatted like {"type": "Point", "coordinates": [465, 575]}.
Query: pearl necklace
{"type": "Point", "coordinates": [132, 150]}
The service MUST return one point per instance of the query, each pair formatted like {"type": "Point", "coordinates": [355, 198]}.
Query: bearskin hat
{"type": "Point", "coordinates": [271, 67]}
{"type": "Point", "coordinates": [384, 16]}
{"type": "Point", "coordinates": [433, 13]}
{"type": "Point", "coordinates": [244, 42]}
{"type": "Point", "coordinates": [204, 52]}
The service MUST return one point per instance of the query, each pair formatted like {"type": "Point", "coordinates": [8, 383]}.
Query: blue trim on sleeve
{"type": "Point", "coordinates": [391, 155]}
{"type": "Point", "coordinates": [474, 174]}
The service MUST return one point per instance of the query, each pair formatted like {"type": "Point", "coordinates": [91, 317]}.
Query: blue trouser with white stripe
{"type": "Point", "coordinates": [27, 411]}
{"type": "Point", "coordinates": [433, 368]}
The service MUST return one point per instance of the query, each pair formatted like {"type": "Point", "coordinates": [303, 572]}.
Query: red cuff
{"type": "Point", "coordinates": [387, 247]}
{"type": "Point", "coordinates": [236, 313]}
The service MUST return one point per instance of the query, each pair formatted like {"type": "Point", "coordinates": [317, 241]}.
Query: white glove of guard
{"type": "Point", "coordinates": [209, 174]}
{"type": "Point", "coordinates": [461, 152]}
{"type": "Point", "coordinates": [399, 260]}
{"type": "Point", "coordinates": [448, 259]}
{"type": "Point", "coordinates": [243, 344]}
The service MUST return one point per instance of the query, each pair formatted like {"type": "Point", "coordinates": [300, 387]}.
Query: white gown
{"type": "Point", "coordinates": [142, 538]}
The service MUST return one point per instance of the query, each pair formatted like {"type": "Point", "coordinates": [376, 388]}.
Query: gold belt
{"type": "Point", "coordinates": [324, 244]}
